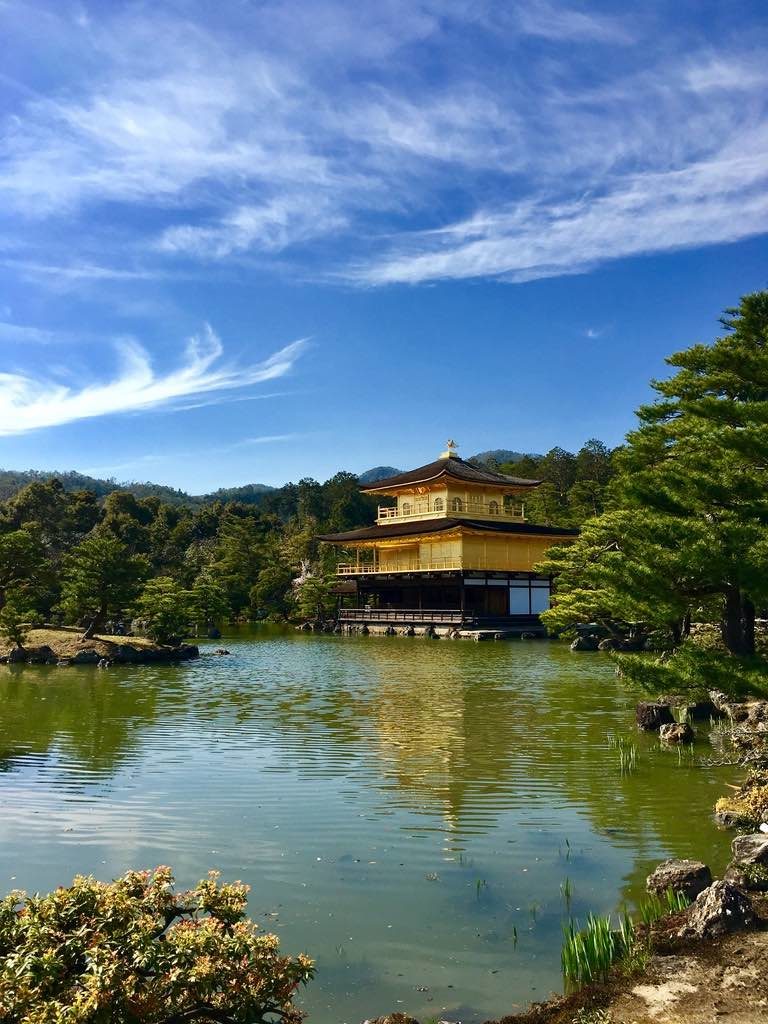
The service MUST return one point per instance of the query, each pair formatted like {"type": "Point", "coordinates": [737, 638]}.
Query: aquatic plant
{"type": "Point", "coordinates": [627, 756]}
{"type": "Point", "coordinates": [566, 891]}
{"type": "Point", "coordinates": [588, 953]}
{"type": "Point", "coordinates": [653, 907]}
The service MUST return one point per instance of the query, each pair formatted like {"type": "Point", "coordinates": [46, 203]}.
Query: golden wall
{"type": "Point", "coordinates": [507, 553]}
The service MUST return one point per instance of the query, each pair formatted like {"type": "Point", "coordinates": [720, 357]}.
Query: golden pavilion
{"type": "Point", "coordinates": [452, 547]}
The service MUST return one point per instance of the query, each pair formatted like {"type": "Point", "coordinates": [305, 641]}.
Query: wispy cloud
{"type": "Point", "coordinates": [271, 227]}
{"type": "Point", "coordinates": [30, 403]}
{"type": "Point", "coordinates": [401, 141]}
{"type": "Point", "coordinates": [144, 462]}
{"type": "Point", "coordinates": [711, 201]}
{"type": "Point", "coordinates": [561, 22]}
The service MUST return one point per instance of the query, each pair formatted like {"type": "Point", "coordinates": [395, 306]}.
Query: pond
{"type": "Point", "coordinates": [411, 813]}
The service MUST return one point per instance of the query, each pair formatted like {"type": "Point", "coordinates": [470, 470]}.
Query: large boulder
{"type": "Point", "coordinates": [86, 657]}
{"type": "Point", "coordinates": [185, 652]}
{"type": "Point", "coordinates": [749, 867]}
{"type": "Point", "coordinates": [719, 909]}
{"type": "Point", "coordinates": [393, 1018]}
{"type": "Point", "coordinates": [16, 655]}
{"type": "Point", "coordinates": [676, 732]}
{"type": "Point", "coordinates": [689, 877]}
{"type": "Point", "coordinates": [585, 643]}
{"type": "Point", "coordinates": [42, 655]}
{"type": "Point", "coordinates": [126, 654]}
{"type": "Point", "coordinates": [651, 715]}
{"type": "Point", "coordinates": [686, 708]}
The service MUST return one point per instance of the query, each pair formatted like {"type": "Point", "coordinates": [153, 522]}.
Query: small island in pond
{"type": "Point", "coordinates": [58, 646]}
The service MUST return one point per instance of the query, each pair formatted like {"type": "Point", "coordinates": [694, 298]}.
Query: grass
{"type": "Point", "coordinates": [67, 642]}
{"type": "Point", "coordinates": [587, 1015]}
{"type": "Point", "coordinates": [627, 751]}
{"type": "Point", "coordinates": [589, 953]}
{"type": "Point", "coordinates": [566, 891]}
{"type": "Point", "coordinates": [653, 907]}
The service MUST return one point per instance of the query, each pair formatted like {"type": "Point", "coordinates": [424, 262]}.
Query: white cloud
{"type": "Point", "coordinates": [289, 126]}
{"type": "Point", "coordinates": [271, 227]}
{"type": "Point", "coordinates": [144, 462]}
{"type": "Point", "coordinates": [559, 22]}
{"type": "Point", "coordinates": [713, 201]}
{"type": "Point", "coordinates": [28, 403]}
{"type": "Point", "coordinates": [25, 334]}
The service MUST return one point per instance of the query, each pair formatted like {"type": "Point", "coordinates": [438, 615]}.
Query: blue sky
{"type": "Point", "coordinates": [256, 241]}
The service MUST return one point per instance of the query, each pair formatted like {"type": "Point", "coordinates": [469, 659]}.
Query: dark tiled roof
{"type": "Point", "coordinates": [453, 468]}
{"type": "Point", "coordinates": [420, 527]}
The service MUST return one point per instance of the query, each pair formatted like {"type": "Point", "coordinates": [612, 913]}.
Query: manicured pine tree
{"type": "Point", "coordinates": [165, 609]}
{"type": "Point", "coordinates": [694, 480]}
{"type": "Point", "coordinates": [100, 579]}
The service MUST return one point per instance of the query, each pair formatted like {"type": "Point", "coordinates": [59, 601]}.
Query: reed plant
{"type": "Point", "coordinates": [653, 907]}
{"type": "Point", "coordinates": [589, 953]}
{"type": "Point", "coordinates": [626, 750]}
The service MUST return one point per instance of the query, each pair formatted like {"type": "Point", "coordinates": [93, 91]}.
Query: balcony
{"type": "Point", "coordinates": [409, 616]}
{"type": "Point", "coordinates": [400, 565]}
{"type": "Point", "coordinates": [456, 508]}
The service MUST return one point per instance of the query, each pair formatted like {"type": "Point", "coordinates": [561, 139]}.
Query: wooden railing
{"type": "Point", "coordinates": [440, 509]}
{"type": "Point", "coordinates": [409, 565]}
{"type": "Point", "coordinates": [436, 615]}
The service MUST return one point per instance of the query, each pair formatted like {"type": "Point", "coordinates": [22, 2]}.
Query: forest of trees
{"type": "Point", "coordinates": [80, 557]}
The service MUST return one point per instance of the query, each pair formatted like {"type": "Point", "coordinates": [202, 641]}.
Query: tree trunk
{"type": "Point", "coordinates": [738, 623]}
{"type": "Point", "coordinates": [94, 624]}
{"type": "Point", "coordinates": [748, 615]}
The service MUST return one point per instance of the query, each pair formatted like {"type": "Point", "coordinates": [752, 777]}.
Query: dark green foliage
{"type": "Point", "coordinates": [100, 579]}
{"type": "Point", "coordinates": [574, 488]}
{"type": "Point", "coordinates": [165, 609]}
{"type": "Point", "coordinates": [686, 534]}
{"type": "Point", "coordinates": [85, 557]}
{"type": "Point", "coordinates": [208, 602]}
{"type": "Point", "coordinates": [16, 618]}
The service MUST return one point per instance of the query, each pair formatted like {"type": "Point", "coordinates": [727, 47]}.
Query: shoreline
{"type": "Point", "coordinates": [64, 647]}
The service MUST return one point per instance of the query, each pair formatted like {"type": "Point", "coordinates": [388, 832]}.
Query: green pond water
{"type": "Point", "coordinates": [406, 811]}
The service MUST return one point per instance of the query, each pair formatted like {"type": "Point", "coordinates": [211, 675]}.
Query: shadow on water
{"type": "Point", "coordinates": [421, 816]}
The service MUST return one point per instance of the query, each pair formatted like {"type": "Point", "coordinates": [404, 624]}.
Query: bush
{"type": "Point", "coordinates": [166, 610]}
{"type": "Point", "coordinates": [16, 619]}
{"type": "Point", "coordinates": [133, 950]}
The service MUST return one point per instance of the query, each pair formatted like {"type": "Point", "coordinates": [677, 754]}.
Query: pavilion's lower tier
{"type": "Point", "coordinates": [462, 597]}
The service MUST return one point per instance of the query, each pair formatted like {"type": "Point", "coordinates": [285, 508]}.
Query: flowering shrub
{"type": "Point", "coordinates": [134, 950]}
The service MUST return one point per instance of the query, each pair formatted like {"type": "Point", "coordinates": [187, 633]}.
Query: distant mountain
{"type": "Point", "coordinates": [500, 455]}
{"type": "Point", "coordinates": [249, 494]}
{"type": "Point", "coordinates": [12, 481]}
{"type": "Point", "coordinates": [370, 476]}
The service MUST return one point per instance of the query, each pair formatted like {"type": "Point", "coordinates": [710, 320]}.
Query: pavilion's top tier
{"type": "Point", "coordinates": [450, 486]}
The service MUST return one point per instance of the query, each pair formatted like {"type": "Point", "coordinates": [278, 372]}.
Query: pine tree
{"type": "Point", "coordinates": [100, 579]}
{"type": "Point", "coordinates": [165, 609]}
{"type": "Point", "coordinates": [693, 492]}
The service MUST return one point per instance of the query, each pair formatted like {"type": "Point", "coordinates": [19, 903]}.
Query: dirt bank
{"type": "Point", "coordinates": [684, 982]}
{"type": "Point", "coordinates": [66, 647]}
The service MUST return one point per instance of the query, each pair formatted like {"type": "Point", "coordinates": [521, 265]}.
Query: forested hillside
{"type": "Point", "coordinates": [79, 554]}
